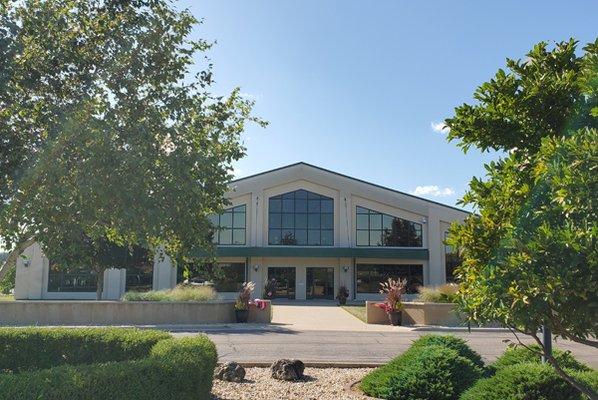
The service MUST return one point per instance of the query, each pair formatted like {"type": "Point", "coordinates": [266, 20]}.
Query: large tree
{"type": "Point", "coordinates": [530, 256]}
{"type": "Point", "coordinates": [104, 134]}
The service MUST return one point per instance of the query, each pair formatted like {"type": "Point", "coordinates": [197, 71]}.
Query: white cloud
{"type": "Point", "coordinates": [440, 127]}
{"type": "Point", "coordinates": [433, 190]}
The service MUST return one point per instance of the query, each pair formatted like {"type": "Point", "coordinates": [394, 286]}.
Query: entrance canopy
{"type": "Point", "coordinates": [333, 252]}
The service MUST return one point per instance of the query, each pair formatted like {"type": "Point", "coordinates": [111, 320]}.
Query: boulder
{"type": "Point", "coordinates": [287, 370]}
{"type": "Point", "coordinates": [231, 372]}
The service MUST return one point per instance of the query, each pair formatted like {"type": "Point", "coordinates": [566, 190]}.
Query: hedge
{"type": "Point", "coordinates": [180, 369]}
{"type": "Point", "coordinates": [519, 355]}
{"type": "Point", "coordinates": [377, 383]}
{"type": "Point", "coordinates": [435, 373]}
{"type": "Point", "coordinates": [451, 342]}
{"type": "Point", "coordinates": [30, 349]}
{"type": "Point", "coordinates": [529, 381]}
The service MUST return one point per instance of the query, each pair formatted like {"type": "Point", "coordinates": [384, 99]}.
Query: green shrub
{"type": "Point", "coordinates": [27, 349]}
{"type": "Point", "coordinates": [176, 369]}
{"type": "Point", "coordinates": [451, 342]}
{"type": "Point", "coordinates": [529, 381]}
{"type": "Point", "coordinates": [377, 382]}
{"type": "Point", "coordinates": [446, 293]}
{"type": "Point", "coordinates": [519, 355]}
{"type": "Point", "coordinates": [436, 373]}
{"type": "Point", "coordinates": [179, 293]}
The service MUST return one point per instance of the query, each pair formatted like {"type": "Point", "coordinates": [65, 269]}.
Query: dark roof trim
{"type": "Point", "coordinates": [352, 178]}
{"type": "Point", "coordinates": [330, 252]}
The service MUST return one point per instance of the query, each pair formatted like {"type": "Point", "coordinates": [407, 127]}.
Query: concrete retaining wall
{"type": "Point", "coordinates": [417, 313]}
{"type": "Point", "coordinates": [61, 312]}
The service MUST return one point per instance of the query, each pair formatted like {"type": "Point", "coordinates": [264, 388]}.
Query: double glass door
{"type": "Point", "coordinates": [320, 283]}
{"type": "Point", "coordinates": [283, 279]}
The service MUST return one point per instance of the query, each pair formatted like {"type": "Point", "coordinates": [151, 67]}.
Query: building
{"type": "Point", "coordinates": [306, 229]}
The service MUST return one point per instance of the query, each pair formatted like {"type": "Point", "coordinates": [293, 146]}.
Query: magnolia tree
{"type": "Point", "coordinates": [530, 257]}
{"type": "Point", "coordinates": [106, 138]}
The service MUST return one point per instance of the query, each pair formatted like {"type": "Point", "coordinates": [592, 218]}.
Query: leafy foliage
{"type": "Point", "coordinates": [435, 373]}
{"type": "Point", "coordinates": [531, 354]}
{"type": "Point", "coordinates": [175, 369]}
{"type": "Point", "coordinates": [529, 381]}
{"type": "Point", "coordinates": [378, 382]}
{"type": "Point", "coordinates": [450, 342]}
{"type": "Point", "coordinates": [530, 256]}
{"type": "Point", "coordinates": [105, 135]}
{"type": "Point", "coordinates": [28, 349]}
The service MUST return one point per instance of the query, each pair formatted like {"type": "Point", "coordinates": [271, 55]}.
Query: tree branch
{"type": "Point", "coordinates": [11, 261]}
{"type": "Point", "coordinates": [583, 388]}
{"type": "Point", "coordinates": [587, 342]}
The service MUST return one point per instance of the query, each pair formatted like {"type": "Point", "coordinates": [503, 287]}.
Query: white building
{"type": "Point", "coordinates": [310, 229]}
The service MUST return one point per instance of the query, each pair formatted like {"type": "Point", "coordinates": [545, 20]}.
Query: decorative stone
{"type": "Point", "coordinates": [231, 372]}
{"type": "Point", "coordinates": [287, 370]}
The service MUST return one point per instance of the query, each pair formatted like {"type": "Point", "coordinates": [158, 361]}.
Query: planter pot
{"type": "Point", "coordinates": [342, 301]}
{"type": "Point", "coordinates": [395, 318]}
{"type": "Point", "coordinates": [241, 315]}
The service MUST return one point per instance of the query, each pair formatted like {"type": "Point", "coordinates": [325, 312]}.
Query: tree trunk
{"type": "Point", "coordinates": [11, 261]}
{"type": "Point", "coordinates": [582, 387]}
{"type": "Point", "coordinates": [99, 283]}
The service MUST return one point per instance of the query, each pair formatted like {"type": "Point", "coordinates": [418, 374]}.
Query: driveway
{"type": "Point", "coordinates": [326, 334]}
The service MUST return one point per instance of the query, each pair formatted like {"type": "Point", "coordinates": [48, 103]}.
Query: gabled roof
{"type": "Point", "coordinates": [301, 163]}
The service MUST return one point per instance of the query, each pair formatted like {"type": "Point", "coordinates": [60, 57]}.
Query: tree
{"type": "Point", "coordinates": [105, 137]}
{"type": "Point", "coordinates": [530, 257]}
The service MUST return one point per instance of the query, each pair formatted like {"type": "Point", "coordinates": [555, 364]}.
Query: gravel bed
{"type": "Point", "coordinates": [319, 384]}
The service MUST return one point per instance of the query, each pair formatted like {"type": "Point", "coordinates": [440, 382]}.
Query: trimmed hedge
{"type": "Point", "coordinates": [519, 355]}
{"type": "Point", "coordinates": [451, 342]}
{"type": "Point", "coordinates": [436, 373]}
{"type": "Point", "coordinates": [378, 382]}
{"type": "Point", "coordinates": [176, 369]}
{"type": "Point", "coordinates": [30, 349]}
{"type": "Point", "coordinates": [531, 381]}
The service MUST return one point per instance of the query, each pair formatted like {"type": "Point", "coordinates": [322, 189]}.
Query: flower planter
{"type": "Point", "coordinates": [241, 315]}
{"type": "Point", "coordinates": [395, 318]}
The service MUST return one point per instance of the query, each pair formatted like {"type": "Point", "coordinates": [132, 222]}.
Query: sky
{"type": "Point", "coordinates": [362, 88]}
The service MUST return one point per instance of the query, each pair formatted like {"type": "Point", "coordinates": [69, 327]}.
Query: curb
{"type": "Point", "coordinates": [310, 364]}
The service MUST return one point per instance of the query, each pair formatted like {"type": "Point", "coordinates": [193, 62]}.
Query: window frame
{"type": "Point", "coordinates": [374, 214]}
{"type": "Point", "coordinates": [306, 219]}
{"type": "Point", "coordinates": [232, 229]}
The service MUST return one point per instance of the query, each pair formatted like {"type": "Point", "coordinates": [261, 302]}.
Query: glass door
{"type": "Point", "coordinates": [320, 283]}
{"type": "Point", "coordinates": [284, 281]}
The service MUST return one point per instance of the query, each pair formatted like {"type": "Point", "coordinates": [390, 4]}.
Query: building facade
{"type": "Point", "coordinates": [302, 232]}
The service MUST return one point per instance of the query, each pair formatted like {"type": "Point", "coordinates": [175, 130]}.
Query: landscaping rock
{"type": "Point", "coordinates": [287, 370]}
{"type": "Point", "coordinates": [231, 372]}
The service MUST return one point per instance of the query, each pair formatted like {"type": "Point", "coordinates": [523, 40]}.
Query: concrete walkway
{"type": "Point", "coordinates": [322, 316]}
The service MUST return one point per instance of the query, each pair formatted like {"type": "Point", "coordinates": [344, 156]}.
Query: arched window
{"type": "Point", "coordinates": [377, 229]}
{"type": "Point", "coordinates": [301, 218]}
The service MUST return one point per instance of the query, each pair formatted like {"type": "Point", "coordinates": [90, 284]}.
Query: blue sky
{"type": "Point", "coordinates": [356, 86]}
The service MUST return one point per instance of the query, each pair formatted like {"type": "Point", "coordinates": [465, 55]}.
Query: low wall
{"type": "Point", "coordinates": [65, 312]}
{"type": "Point", "coordinates": [417, 313]}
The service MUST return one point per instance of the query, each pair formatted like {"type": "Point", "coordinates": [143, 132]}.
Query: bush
{"type": "Point", "coordinates": [176, 369]}
{"type": "Point", "coordinates": [519, 355]}
{"type": "Point", "coordinates": [451, 342]}
{"type": "Point", "coordinates": [7, 284]}
{"type": "Point", "coordinates": [436, 373]}
{"type": "Point", "coordinates": [446, 293]}
{"type": "Point", "coordinates": [179, 293]}
{"type": "Point", "coordinates": [27, 349]}
{"type": "Point", "coordinates": [529, 381]}
{"type": "Point", "coordinates": [377, 383]}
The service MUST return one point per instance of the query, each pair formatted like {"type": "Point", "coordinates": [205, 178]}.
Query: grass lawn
{"type": "Point", "coordinates": [6, 297]}
{"type": "Point", "coordinates": [356, 311]}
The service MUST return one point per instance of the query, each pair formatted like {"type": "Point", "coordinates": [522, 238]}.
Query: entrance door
{"type": "Point", "coordinates": [320, 283]}
{"type": "Point", "coordinates": [285, 281]}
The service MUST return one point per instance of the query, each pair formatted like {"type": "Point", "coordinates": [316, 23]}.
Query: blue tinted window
{"type": "Point", "coordinates": [376, 229]}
